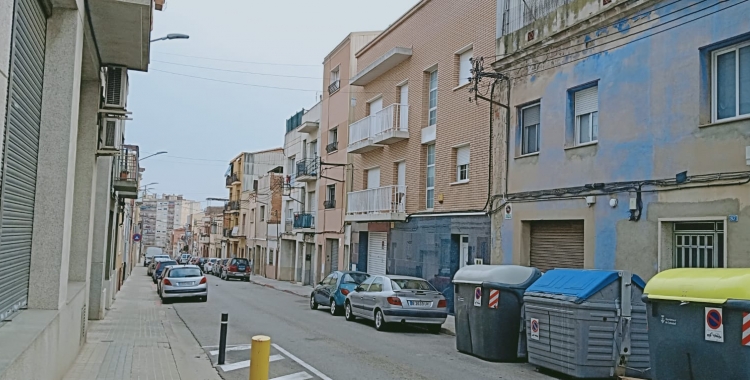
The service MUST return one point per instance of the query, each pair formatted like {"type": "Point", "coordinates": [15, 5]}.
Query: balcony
{"type": "Point", "coordinates": [204, 239]}
{"type": "Point", "coordinates": [332, 147]}
{"type": "Point", "coordinates": [126, 173]}
{"type": "Point", "coordinates": [307, 169]}
{"type": "Point", "coordinates": [122, 29]}
{"type": "Point", "coordinates": [329, 204]}
{"type": "Point", "coordinates": [288, 226]}
{"type": "Point", "coordinates": [232, 207]}
{"type": "Point", "coordinates": [309, 126]}
{"type": "Point", "coordinates": [382, 204]}
{"type": "Point", "coordinates": [334, 87]}
{"type": "Point", "coordinates": [233, 179]}
{"type": "Point", "coordinates": [304, 220]}
{"type": "Point", "coordinates": [388, 126]}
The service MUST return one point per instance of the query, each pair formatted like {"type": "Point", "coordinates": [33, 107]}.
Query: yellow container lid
{"type": "Point", "coordinates": [700, 285]}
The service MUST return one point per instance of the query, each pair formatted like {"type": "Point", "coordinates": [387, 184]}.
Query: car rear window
{"type": "Point", "coordinates": [355, 278]}
{"type": "Point", "coordinates": [185, 272]}
{"type": "Point", "coordinates": [408, 284]}
{"type": "Point", "coordinates": [165, 264]}
{"type": "Point", "coordinates": [240, 261]}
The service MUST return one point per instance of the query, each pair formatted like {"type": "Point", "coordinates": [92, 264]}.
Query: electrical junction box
{"type": "Point", "coordinates": [633, 204]}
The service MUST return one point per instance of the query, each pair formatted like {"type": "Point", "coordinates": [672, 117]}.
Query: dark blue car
{"type": "Point", "coordinates": [332, 291]}
{"type": "Point", "coordinates": [160, 269]}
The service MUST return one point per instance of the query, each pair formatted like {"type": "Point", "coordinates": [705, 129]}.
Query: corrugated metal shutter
{"type": "Point", "coordinates": [531, 116]}
{"type": "Point", "coordinates": [21, 146]}
{"type": "Point", "coordinates": [334, 254]}
{"type": "Point", "coordinates": [587, 100]}
{"type": "Point", "coordinates": [557, 244]}
{"type": "Point", "coordinates": [462, 155]}
{"type": "Point", "coordinates": [376, 251]}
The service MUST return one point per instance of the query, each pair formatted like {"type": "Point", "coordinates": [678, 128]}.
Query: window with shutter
{"type": "Point", "coordinates": [462, 164]}
{"type": "Point", "coordinates": [586, 105]}
{"type": "Point", "coordinates": [530, 122]}
{"type": "Point", "coordinates": [464, 67]}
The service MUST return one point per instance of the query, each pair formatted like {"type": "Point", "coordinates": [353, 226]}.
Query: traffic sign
{"type": "Point", "coordinates": [137, 237]}
{"type": "Point", "coordinates": [534, 329]}
{"type": "Point", "coordinates": [714, 325]}
{"type": "Point", "coordinates": [478, 296]}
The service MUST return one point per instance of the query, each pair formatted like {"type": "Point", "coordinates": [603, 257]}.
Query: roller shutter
{"type": "Point", "coordinates": [334, 243]}
{"type": "Point", "coordinates": [376, 251]}
{"type": "Point", "coordinates": [20, 153]}
{"type": "Point", "coordinates": [557, 244]}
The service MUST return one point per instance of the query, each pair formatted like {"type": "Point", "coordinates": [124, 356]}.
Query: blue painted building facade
{"type": "Point", "coordinates": [610, 104]}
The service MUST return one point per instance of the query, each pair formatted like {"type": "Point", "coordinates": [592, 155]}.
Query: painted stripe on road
{"type": "Point", "coordinates": [295, 376]}
{"type": "Point", "coordinates": [240, 347]}
{"type": "Point", "coordinates": [300, 362]}
{"type": "Point", "coordinates": [246, 363]}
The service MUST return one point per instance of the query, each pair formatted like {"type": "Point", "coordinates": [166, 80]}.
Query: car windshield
{"type": "Point", "coordinates": [355, 278]}
{"type": "Point", "coordinates": [409, 284]}
{"type": "Point", "coordinates": [184, 272]}
{"type": "Point", "coordinates": [165, 264]}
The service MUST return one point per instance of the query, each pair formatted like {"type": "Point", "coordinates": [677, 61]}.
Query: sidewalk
{"type": "Point", "coordinates": [449, 327]}
{"type": "Point", "coordinates": [140, 338]}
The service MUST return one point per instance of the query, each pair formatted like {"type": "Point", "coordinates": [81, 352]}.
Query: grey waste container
{"type": "Point", "coordinates": [699, 323]}
{"type": "Point", "coordinates": [588, 323]}
{"type": "Point", "coordinates": [488, 306]}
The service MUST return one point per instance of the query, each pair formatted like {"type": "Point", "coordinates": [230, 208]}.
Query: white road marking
{"type": "Point", "coordinates": [295, 376]}
{"type": "Point", "coordinates": [228, 345]}
{"type": "Point", "coordinates": [240, 347]}
{"type": "Point", "coordinates": [246, 363]}
{"type": "Point", "coordinates": [300, 362]}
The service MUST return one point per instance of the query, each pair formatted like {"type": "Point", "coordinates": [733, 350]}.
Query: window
{"type": "Point", "coordinates": [377, 285]}
{"type": "Point", "coordinates": [333, 140]}
{"type": "Point", "coordinates": [586, 106]}
{"type": "Point", "coordinates": [699, 245]}
{"type": "Point", "coordinates": [366, 284]}
{"type": "Point", "coordinates": [464, 67]}
{"type": "Point", "coordinates": [731, 82]}
{"type": "Point", "coordinates": [262, 213]}
{"type": "Point", "coordinates": [430, 200]}
{"type": "Point", "coordinates": [330, 197]}
{"type": "Point", "coordinates": [335, 75]}
{"type": "Point", "coordinates": [462, 164]}
{"type": "Point", "coordinates": [530, 129]}
{"type": "Point", "coordinates": [432, 117]}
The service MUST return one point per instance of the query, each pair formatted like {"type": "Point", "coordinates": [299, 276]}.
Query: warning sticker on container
{"type": "Point", "coordinates": [478, 296]}
{"type": "Point", "coordinates": [714, 325]}
{"type": "Point", "coordinates": [494, 299]}
{"type": "Point", "coordinates": [746, 329]}
{"type": "Point", "coordinates": [534, 329]}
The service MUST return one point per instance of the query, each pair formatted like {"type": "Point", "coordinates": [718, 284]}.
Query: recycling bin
{"type": "Point", "coordinates": [588, 323]}
{"type": "Point", "coordinates": [488, 306]}
{"type": "Point", "coordinates": [699, 324]}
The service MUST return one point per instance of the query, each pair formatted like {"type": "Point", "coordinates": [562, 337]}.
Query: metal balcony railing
{"type": "Point", "coordinates": [232, 178]}
{"type": "Point", "coordinates": [304, 220]}
{"type": "Point", "coordinates": [308, 167]}
{"type": "Point", "coordinates": [382, 200]}
{"type": "Point", "coordinates": [334, 87]}
{"type": "Point", "coordinates": [329, 204]}
{"type": "Point", "coordinates": [232, 206]}
{"type": "Point", "coordinates": [126, 166]}
{"type": "Point", "coordinates": [373, 127]}
{"type": "Point", "coordinates": [332, 147]}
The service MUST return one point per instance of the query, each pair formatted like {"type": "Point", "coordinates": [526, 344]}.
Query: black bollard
{"type": "Point", "coordinates": [223, 337]}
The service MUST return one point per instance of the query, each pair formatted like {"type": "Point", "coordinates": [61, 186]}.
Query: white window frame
{"type": "Point", "coordinates": [463, 79]}
{"type": "Point", "coordinates": [715, 77]}
{"type": "Point", "coordinates": [427, 175]}
{"type": "Point", "coordinates": [577, 120]}
{"type": "Point", "coordinates": [538, 131]}
{"type": "Point", "coordinates": [335, 74]}
{"type": "Point", "coordinates": [432, 120]}
{"type": "Point", "coordinates": [462, 171]}
{"type": "Point", "coordinates": [331, 195]}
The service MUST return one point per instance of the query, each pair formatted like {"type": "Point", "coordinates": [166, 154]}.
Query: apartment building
{"type": "Point", "coordinates": [621, 156]}
{"type": "Point", "coordinates": [160, 216]}
{"type": "Point", "coordinates": [332, 233]}
{"type": "Point", "coordinates": [65, 172]}
{"type": "Point", "coordinates": [300, 199]}
{"type": "Point", "coordinates": [263, 232]}
{"type": "Point", "coordinates": [421, 164]}
{"type": "Point", "coordinates": [242, 181]}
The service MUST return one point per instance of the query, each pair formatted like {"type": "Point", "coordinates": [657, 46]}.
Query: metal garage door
{"type": "Point", "coordinates": [21, 146]}
{"type": "Point", "coordinates": [376, 250]}
{"type": "Point", "coordinates": [334, 249]}
{"type": "Point", "coordinates": [557, 244]}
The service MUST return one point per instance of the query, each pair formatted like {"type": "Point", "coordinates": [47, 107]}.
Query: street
{"type": "Point", "coordinates": [311, 344]}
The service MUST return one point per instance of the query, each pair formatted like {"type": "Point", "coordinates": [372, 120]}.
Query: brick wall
{"type": "Point", "coordinates": [435, 30]}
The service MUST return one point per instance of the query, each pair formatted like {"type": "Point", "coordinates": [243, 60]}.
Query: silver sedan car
{"type": "Point", "coordinates": [183, 281]}
{"type": "Point", "coordinates": [397, 299]}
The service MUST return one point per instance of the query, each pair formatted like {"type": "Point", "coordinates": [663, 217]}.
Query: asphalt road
{"type": "Point", "coordinates": [315, 345]}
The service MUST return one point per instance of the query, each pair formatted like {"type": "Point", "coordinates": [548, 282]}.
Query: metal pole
{"type": "Point", "coordinates": [223, 338]}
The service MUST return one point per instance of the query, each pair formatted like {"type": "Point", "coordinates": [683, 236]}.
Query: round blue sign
{"type": "Point", "coordinates": [137, 237]}
{"type": "Point", "coordinates": [713, 319]}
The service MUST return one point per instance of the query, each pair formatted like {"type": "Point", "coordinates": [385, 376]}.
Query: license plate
{"type": "Point", "coordinates": [186, 283]}
{"type": "Point", "coordinates": [419, 303]}
{"type": "Point", "coordinates": [241, 268]}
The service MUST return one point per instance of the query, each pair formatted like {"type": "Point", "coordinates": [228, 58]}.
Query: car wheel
{"type": "Point", "coordinates": [379, 320]}
{"type": "Point", "coordinates": [348, 312]}
{"type": "Point", "coordinates": [313, 303]}
{"type": "Point", "coordinates": [434, 328]}
{"type": "Point", "coordinates": [334, 308]}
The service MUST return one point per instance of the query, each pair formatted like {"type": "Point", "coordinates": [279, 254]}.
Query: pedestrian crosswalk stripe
{"type": "Point", "coordinates": [240, 347]}
{"type": "Point", "coordinates": [246, 363]}
{"type": "Point", "coordinates": [295, 376]}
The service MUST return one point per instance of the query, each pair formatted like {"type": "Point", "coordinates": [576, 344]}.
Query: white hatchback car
{"type": "Point", "coordinates": [183, 281]}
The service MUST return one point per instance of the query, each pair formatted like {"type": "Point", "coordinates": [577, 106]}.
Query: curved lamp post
{"type": "Point", "coordinates": [172, 36]}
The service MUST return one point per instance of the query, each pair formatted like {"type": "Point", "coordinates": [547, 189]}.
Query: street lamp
{"type": "Point", "coordinates": [155, 154]}
{"type": "Point", "coordinates": [172, 36]}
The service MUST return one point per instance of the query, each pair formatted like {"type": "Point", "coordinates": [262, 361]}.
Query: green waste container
{"type": "Point", "coordinates": [699, 324]}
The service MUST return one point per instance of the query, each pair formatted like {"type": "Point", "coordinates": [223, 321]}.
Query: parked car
{"type": "Point", "coordinates": [154, 261]}
{"type": "Point", "coordinates": [392, 299]}
{"type": "Point", "coordinates": [150, 253]}
{"type": "Point", "coordinates": [219, 266]}
{"type": "Point", "coordinates": [160, 266]}
{"type": "Point", "coordinates": [208, 266]}
{"type": "Point", "coordinates": [184, 258]}
{"type": "Point", "coordinates": [236, 268]}
{"type": "Point", "coordinates": [332, 291]}
{"type": "Point", "coordinates": [183, 281]}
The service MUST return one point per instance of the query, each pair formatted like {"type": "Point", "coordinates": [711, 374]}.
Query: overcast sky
{"type": "Point", "coordinates": [205, 123]}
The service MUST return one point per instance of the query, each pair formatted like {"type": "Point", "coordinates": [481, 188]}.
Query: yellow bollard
{"type": "Point", "coordinates": [259, 357]}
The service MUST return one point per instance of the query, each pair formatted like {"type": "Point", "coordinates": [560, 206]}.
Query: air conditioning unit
{"type": "Point", "coordinates": [110, 136]}
{"type": "Point", "coordinates": [116, 87]}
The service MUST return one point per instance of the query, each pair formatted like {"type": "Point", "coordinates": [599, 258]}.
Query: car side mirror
{"type": "Point", "coordinates": [358, 289]}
